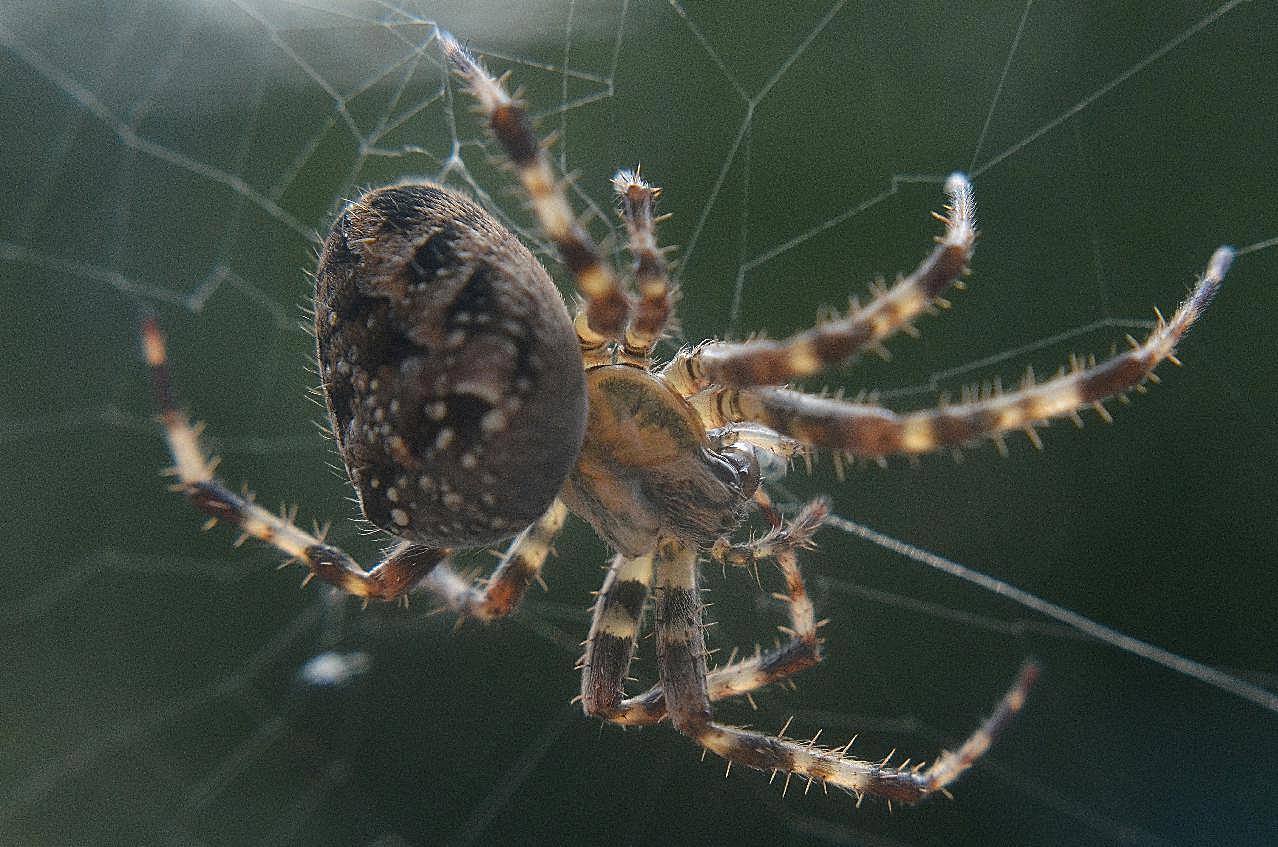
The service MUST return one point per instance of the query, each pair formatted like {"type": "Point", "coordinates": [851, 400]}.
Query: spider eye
{"type": "Point", "coordinates": [450, 366]}
{"type": "Point", "coordinates": [736, 467]}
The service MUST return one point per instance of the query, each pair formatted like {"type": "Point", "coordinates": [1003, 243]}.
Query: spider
{"type": "Point", "coordinates": [468, 407]}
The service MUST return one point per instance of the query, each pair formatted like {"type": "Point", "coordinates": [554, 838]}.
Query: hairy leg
{"type": "Point", "coordinates": [681, 658]}
{"type": "Point", "coordinates": [764, 362]}
{"type": "Point", "coordinates": [869, 430]}
{"type": "Point", "coordinates": [614, 629]}
{"type": "Point", "coordinates": [656, 294]}
{"type": "Point", "coordinates": [801, 648]}
{"type": "Point", "coordinates": [391, 579]}
{"type": "Point", "coordinates": [618, 613]}
{"type": "Point", "coordinates": [519, 567]}
{"type": "Point", "coordinates": [608, 306]}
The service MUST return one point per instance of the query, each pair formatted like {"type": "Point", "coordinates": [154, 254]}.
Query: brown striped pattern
{"type": "Point", "coordinates": [608, 306]}
{"type": "Point", "coordinates": [833, 767]}
{"type": "Point", "coordinates": [951, 763]}
{"type": "Point", "coordinates": [614, 628]}
{"type": "Point", "coordinates": [869, 430]}
{"type": "Point", "coordinates": [800, 650]}
{"type": "Point", "coordinates": [681, 657]}
{"type": "Point", "coordinates": [389, 580]}
{"type": "Point", "coordinates": [656, 295]}
{"type": "Point", "coordinates": [519, 568]}
{"type": "Point", "coordinates": [681, 642]}
{"type": "Point", "coordinates": [891, 310]}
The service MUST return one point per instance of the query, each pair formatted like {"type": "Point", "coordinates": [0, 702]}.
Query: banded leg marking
{"type": "Point", "coordinates": [681, 641]}
{"type": "Point", "coordinates": [681, 656]}
{"type": "Point", "coordinates": [656, 295]}
{"type": "Point", "coordinates": [614, 629]}
{"type": "Point", "coordinates": [906, 783]}
{"type": "Point", "coordinates": [390, 579]}
{"type": "Point", "coordinates": [872, 431]}
{"type": "Point", "coordinates": [832, 343]}
{"type": "Point", "coordinates": [801, 649]}
{"type": "Point", "coordinates": [519, 568]}
{"type": "Point", "coordinates": [607, 303]}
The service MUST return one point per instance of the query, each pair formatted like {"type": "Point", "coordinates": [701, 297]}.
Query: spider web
{"type": "Point", "coordinates": [179, 158]}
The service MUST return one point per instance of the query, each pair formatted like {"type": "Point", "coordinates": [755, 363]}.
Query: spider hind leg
{"type": "Point", "coordinates": [389, 580]}
{"type": "Point", "coordinates": [681, 655]}
{"type": "Point", "coordinates": [520, 566]}
{"type": "Point", "coordinates": [614, 630]}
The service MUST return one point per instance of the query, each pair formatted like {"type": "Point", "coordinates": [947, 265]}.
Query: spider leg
{"type": "Point", "coordinates": [801, 649]}
{"type": "Point", "coordinates": [872, 431]}
{"type": "Point", "coordinates": [608, 305]}
{"type": "Point", "coordinates": [614, 629]}
{"type": "Point", "coordinates": [390, 579]}
{"type": "Point", "coordinates": [681, 657]}
{"type": "Point", "coordinates": [756, 435]}
{"type": "Point", "coordinates": [656, 294]}
{"type": "Point", "coordinates": [520, 566]}
{"type": "Point", "coordinates": [789, 536]}
{"type": "Point", "coordinates": [764, 362]}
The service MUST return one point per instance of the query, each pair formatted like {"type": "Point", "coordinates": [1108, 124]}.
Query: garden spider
{"type": "Point", "coordinates": [469, 407]}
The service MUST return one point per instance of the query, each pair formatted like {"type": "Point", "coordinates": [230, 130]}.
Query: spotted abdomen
{"type": "Point", "coordinates": [451, 370]}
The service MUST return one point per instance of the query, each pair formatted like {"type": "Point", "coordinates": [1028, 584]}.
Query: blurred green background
{"type": "Point", "coordinates": [179, 158]}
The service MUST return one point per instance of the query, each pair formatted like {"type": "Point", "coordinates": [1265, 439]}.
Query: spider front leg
{"type": "Point", "coordinates": [869, 430]}
{"type": "Point", "coordinates": [520, 566]}
{"type": "Point", "coordinates": [608, 305]}
{"type": "Point", "coordinates": [389, 580]}
{"type": "Point", "coordinates": [656, 293]}
{"type": "Point", "coordinates": [614, 629]}
{"type": "Point", "coordinates": [799, 651]}
{"type": "Point", "coordinates": [834, 342]}
{"type": "Point", "coordinates": [681, 656]}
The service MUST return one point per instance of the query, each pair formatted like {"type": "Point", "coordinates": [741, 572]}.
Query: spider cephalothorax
{"type": "Point", "coordinates": [467, 406]}
{"type": "Point", "coordinates": [647, 466]}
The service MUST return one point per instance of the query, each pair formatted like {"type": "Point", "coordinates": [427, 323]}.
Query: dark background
{"type": "Point", "coordinates": [177, 159]}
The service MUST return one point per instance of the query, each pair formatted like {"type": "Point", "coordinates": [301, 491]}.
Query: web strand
{"type": "Point", "coordinates": [1104, 634]}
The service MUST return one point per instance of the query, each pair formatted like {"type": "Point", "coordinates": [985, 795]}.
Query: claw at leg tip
{"type": "Point", "coordinates": [1220, 261]}
{"type": "Point", "coordinates": [957, 183]}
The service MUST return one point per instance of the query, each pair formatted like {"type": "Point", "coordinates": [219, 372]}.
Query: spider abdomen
{"type": "Point", "coordinates": [450, 367]}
